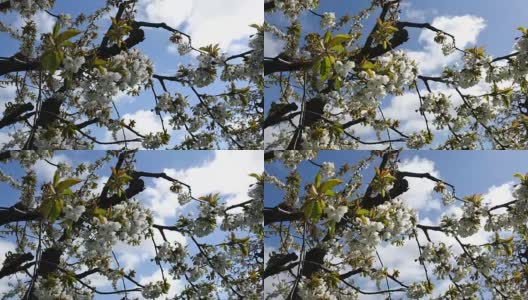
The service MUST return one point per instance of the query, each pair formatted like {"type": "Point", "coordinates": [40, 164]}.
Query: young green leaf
{"type": "Point", "coordinates": [66, 184]}
{"type": "Point", "coordinates": [318, 178]}
{"type": "Point", "coordinates": [326, 68]}
{"type": "Point", "coordinates": [340, 39]}
{"type": "Point", "coordinates": [330, 184]}
{"type": "Point", "coordinates": [66, 35]}
{"type": "Point", "coordinates": [313, 209]}
{"type": "Point", "coordinates": [51, 60]}
{"type": "Point", "coordinates": [56, 177]}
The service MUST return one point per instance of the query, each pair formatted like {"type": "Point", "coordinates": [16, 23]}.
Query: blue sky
{"type": "Point", "coordinates": [227, 25]}
{"type": "Point", "coordinates": [225, 172]}
{"type": "Point", "coordinates": [501, 19]}
{"type": "Point", "coordinates": [471, 172]}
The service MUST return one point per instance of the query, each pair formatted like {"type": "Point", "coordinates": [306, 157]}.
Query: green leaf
{"type": "Point", "coordinates": [340, 39]}
{"type": "Point", "coordinates": [244, 100]}
{"type": "Point", "coordinates": [313, 209]}
{"type": "Point", "coordinates": [258, 177]}
{"type": "Point", "coordinates": [318, 180]}
{"type": "Point", "coordinates": [327, 37]}
{"type": "Point", "coordinates": [506, 101]}
{"type": "Point", "coordinates": [56, 178]}
{"type": "Point", "coordinates": [66, 35]}
{"type": "Point", "coordinates": [362, 212]}
{"type": "Point", "coordinates": [367, 65]}
{"type": "Point", "coordinates": [329, 184]}
{"type": "Point", "coordinates": [338, 48]}
{"type": "Point", "coordinates": [244, 249]}
{"type": "Point", "coordinates": [67, 225]}
{"type": "Point", "coordinates": [317, 66]}
{"type": "Point", "coordinates": [326, 67]}
{"type": "Point", "coordinates": [51, 60]}
{"type": "Point", "coordinates": [56, 210]}
{"type": "Point", "coordinates": [67, 44]}
{"type": "Point", "coordinates": [45, 207]}
{"type": "Point", "coordinates": [67, 183]}
{"type": "Point", "coordinates": [331, 228]}
{"type": "Point", "coordinates": [330, 193]}
{"type": "Point", "coordinates": [99, 62]}
{"type": "Point", "coordinates": [338, 83]}
{"type": "Point", "coordinates": [67, 192]}
{"type": "Point", "coordinates": [51, 209]}
{"type": "Point", "coordinates": [56, 29]}
{"type": "Point", "coordinates": [520, 176]}
{"type": "Point", "coordinates": [257, 27]}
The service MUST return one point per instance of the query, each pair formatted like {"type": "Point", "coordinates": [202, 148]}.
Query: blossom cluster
{"type": "Point", "coordinates": [292, 8]}
{"type": "Point", "coordinates": [438, 255]}
{"type": "Point", "coordinates": [251, 216]}
{"type": "Point", "coordinates": [328, 20]}
{"type": "Point", "coordinates": [153, 290]}
{"type": "Point", "coordinates": [125, 72]}
{"type": "Point", "coordinates": [328, 169]}
{"type": "Point", "coordinates": [447, 43]}
{"type": "Point", "coordinates": [174, 254]}
{"type": "Point", "coordinates": [316, 288]}
{"type": "Point", "coordinates": [292, 158]}
{"type": "Point", "coordinates": [127, 222]}
{"type": "Point", "coordinates": [417, 290]}
{"type": "Point", "coordinates": [29, 7]}
{"type": "Point", "coordinates": [371, 231]}
{"type": "Point", "coordinates": [52, 289]}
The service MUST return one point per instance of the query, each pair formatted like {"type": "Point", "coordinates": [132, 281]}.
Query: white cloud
{"type": "Point", "coordinates": [430, 59]}
{"type": "Point", "coordinates": [176, 286]}
{"type": "Point", "coordinates": [7, 93]}
{"type": "Point", "coordinates": [227, 174]}
{"type": "Point", "coordinates": [132, 256]}
{"type": "Point", "coordinates": [272, 46]}
{"type": "Point", "coordinates": [495, 195]}
{"type": "Point", "coordinates": [171, 12]}
{"type": "Point", "coordinates": [411, 13]}
{"type": "Point", "coordinates": [405, 108]}
{"type": "Point", "coordinates": [420, 193]}
{"type": "Point", "coordinates": [45, 171]}
{"type": "Point", "coordinates": [466, 30]}
{"type": "Point", "coordinates": [100, 184]}
{"type": "Point", "coordinates": [5, 246]}
{"type": "Point", "coordinates": [225, 22]}
{"type": "Point", "coordinates": [4, 138]}
{"type": "Point", "coordinates": [123, 98]}
{"type": "Point", "coordinates": [501, 194]}
{"type": "Point", "coordinates": [43, 22]}
{"type": "Point", "coordinates": [160, 199]}
{"type": "Point", "coordinates": [146, 121]}
{"type": "Point", "coordinates": [404, 262]}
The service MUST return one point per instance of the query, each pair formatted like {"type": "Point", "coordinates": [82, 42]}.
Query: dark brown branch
{"type": "Point", "coordinates": [278, 114]}
{"type": "Point", "coordinates": [277, 64]}
{"type": "Point", "coordinates": [15, 114]}
{"type": "Point", "coordinates": [278, 263]}
{"type": "Point", "coordinates": [269, 5]}
{"type": "Point", "coordinates": [278, 214]}
{"type": "Point", "coordinates": [17, 213]}
{"type": "Point", "coordinates": [14, 65]}
{"type": "Point", "coordinates": [14, 264]}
